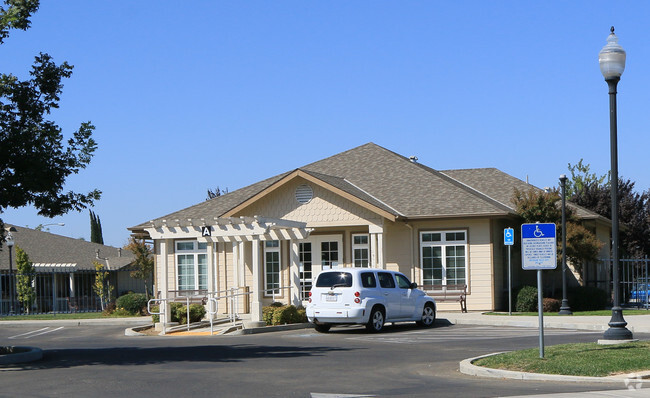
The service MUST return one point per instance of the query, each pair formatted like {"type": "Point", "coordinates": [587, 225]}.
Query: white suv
{"type": "Point", "coordinates": [368, 297]}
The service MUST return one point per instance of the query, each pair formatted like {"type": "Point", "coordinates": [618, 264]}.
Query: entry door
{"type": "Point", "coordinates": [318, 253]}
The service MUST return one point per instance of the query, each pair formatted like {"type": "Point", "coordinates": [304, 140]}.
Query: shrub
{"type": "Point", "coordinates": [587, 298]}
{"type": "Point", "coordinates": [283, 314]}
{"type": "Point", "coordinates": [197, 312]}
{"type": "Point", "coordinates": [110, 308]}
{"type": "Point", "coordinates": [267, 314]}
{"type": "Point", "coordinates": [526, 299]}
{"type": "Point", "coordinates": [179, 313]}
{"type": "Point", "coordinates": [550, 305]}
{"type": "Point", "coordinates": [302, 315]}
{"type": "Point", "coordinates": [133, 303]}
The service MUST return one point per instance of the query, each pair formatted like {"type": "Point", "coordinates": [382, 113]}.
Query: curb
{"type": "Point", "coordinates": [467, 367]}
{"type": "Point", "coordinates": [277, 328]}
{"type": "Point", "coordinates": [20, 354]}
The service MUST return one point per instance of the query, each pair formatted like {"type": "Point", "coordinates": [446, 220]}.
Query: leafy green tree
{"type": "Point", "coordinates": [25, 280]}
{"type": "Point", "coordinates": [634, 213]}
{"type": "Point", "coordinates": [143, 263]}
{"type": "Point", "coordinates": [102, 286]}
{"type": "Point", "coordinates": [35, 159]}
{"type": "Point", "coordinates": [96, 235]}
{"type": "Point", "coordinates": [544, 207]}
{"type": "Point", "coordinates": [581, 177]}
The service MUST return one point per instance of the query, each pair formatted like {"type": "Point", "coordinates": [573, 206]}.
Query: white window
{"type": "Point", "coordinates": [271, 267]}
{"type": "Point", "coordinates": [360, 250]}
{"type": "Point", "coordinates": [443, 257]}
{"type": "Point", "coordinates": [192, 265]}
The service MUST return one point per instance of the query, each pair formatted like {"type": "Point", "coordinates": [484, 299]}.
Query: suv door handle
{"type": "Point", "coordinates": [385, 293]}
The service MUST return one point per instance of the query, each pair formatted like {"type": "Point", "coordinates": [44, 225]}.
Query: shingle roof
{"type": "Point", "coordinates": [391, 182]}
{"type": "Point", "coordinates": [56, 251]}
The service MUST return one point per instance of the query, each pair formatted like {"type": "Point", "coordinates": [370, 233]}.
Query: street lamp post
{"type": "Point", "coordinates": [612, 63]}
{"type": "Point", "coordinates": [564, 308]}
{"type": "Point", "coordinates": [10, 244]}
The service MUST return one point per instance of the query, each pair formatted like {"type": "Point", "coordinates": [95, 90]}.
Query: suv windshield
{"type": "Point", "coordinates": [329, 279]}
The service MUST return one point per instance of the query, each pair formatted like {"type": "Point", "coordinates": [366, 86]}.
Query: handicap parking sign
{"type": "Point", "coordinates": [538, 246]}
{"type": "Point", "coordinates": [508, 236]}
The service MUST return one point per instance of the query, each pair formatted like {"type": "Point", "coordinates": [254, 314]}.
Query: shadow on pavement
{"type": "Point", "coordinates": [388, 328]}
{"type": "Point", "coordinates": [70, 358]}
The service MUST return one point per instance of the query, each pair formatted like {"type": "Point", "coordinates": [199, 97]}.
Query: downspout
{"type": "Point", "coordinates": [412, 251]}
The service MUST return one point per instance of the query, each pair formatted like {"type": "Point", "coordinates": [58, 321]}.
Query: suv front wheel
{"type": "Point", "coordinates": [376, 321]}
{"type": "Point", "coordinates": [428, 316]}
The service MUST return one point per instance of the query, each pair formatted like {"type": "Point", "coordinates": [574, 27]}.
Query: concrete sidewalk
{"type": "Point", "coordinates": [635, 323]}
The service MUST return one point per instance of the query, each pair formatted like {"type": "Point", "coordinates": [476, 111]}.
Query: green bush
{"type": "Point", "coordinates": [284, 315]}
{"type": "Point", "coordinates": [526, 299]}
{"type": "Point", "coordinates": [179, 313]}
{"type": "Point", "coordinates": [302, 315]}
{"type": "Point", "coordinates": [550, 304]}
{"type": "Point", "coordinates": [133, 303]}
{"type": "Point", "coordinates": [267, 314]}
{"type": "Point", "coordinates": [587, 298]}
{"type": "Point", "coordinates": [197, 312]}
{"type": "Point", "coordinates": [280, 315]}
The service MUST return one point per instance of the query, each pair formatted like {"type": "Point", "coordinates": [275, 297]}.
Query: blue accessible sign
{"type": "Point", "coordinates": [508, 236]}
{"type": "Point", "coordinates": [538, 246]}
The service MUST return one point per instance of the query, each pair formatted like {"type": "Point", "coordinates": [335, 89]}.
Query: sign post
{"type": "Point", "coordinates": [539, 252]}
{"type": "Point", "coordinates": [509, 240]}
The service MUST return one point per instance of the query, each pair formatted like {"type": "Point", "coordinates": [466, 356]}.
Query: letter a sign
{"type": "Point", "coordinates": [206, 231]}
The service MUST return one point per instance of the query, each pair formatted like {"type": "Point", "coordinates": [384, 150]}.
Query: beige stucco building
{"type": "Point", "coordinates": [366, 207]}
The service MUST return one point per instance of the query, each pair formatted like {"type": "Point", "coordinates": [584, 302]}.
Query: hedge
{"type": "Point", "coordinates": [133, 303]}
{"type": "Point", "coordinates": [179, 313]}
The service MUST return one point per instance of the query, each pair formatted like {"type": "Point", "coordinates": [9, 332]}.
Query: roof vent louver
{"type": "Point", "coordinates": [304, 194]}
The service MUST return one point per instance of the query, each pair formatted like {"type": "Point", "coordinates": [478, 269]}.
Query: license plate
{"type": "Point", "coordinates": [330, 297]}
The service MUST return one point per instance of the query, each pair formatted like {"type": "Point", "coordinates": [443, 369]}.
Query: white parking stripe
{"type": "Point", "coordinates": [475, 333]}
{"type": "Point", "coordinates": [47, 331]}
{"type": "Point", "coordinates": [28, 333]}
{"type": "Point", "coordinates": [35, 333]}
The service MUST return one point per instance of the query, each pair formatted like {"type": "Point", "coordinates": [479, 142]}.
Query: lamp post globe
{"type": "Point", "coordinates": [612, 64]}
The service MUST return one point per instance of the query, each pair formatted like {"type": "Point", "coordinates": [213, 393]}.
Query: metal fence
{"type": "Point", "coordinates": [634, 281]}
{"type": "Point", "coordinates": [63, 291]}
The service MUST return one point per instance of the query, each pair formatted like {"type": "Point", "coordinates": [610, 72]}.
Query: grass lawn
{"type": "Point", "coordinates": [584, 359]}
{"type": "Point", "coordinates": [75, 315]}
{"type": "Point", "coordinates": [577, 313]}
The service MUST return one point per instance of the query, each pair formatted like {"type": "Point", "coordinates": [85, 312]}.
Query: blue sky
{"type": "Point", "coordinates": [190, 96]}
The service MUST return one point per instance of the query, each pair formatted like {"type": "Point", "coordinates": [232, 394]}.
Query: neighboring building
{"type": "Point", "coordinates": [366, 207]}
{"type": "Point", "coordinates": [65, 271]}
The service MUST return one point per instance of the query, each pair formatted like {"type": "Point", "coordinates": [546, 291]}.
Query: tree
{"type": "Point", "coordinates": [96, 235]}
{"type": "Point", "coordinates": [538, 206]}
{"type": "Point", "coordinates": [634, 213]}
{"type": "Point", "coordinates": [35, 160]}
{"type": "Point", "coordinates": [581, 177]}
{"type": "Point", "coordinates": [143, 263]}
{"type": "Point", "coordinates": [102, 286]}
{"type": "Point", "coordinates": [217, 192]}
{"type": "Point", "coordinates": [25, 278]}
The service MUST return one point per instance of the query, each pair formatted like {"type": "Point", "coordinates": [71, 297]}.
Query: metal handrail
{"type": "Point", "coordinates": [161, 309]}
{"type": "Point", "coordinates": [231, 296]}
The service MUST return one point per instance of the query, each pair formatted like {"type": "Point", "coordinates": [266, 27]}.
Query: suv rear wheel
{"type": "Point", "coordinates": [322, 328]}
{"type": "Point", "coordinates": [376, 321]}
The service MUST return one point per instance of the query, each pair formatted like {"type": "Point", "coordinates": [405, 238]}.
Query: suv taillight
{"type": "Point", "coordinates": [310, 297]}
{"type": "Point", "coordinates": [357, 298]}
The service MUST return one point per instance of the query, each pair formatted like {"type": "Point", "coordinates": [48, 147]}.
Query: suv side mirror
{"type": "Point", "coordinates": [413, 285]}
